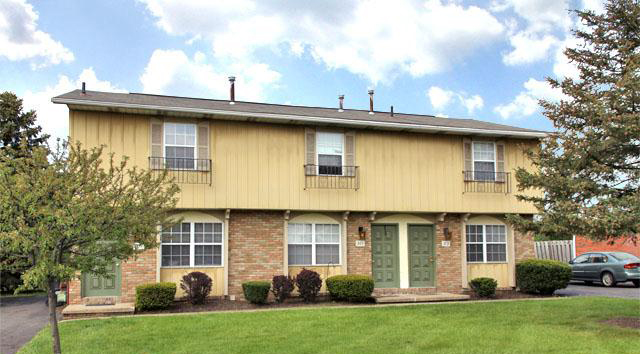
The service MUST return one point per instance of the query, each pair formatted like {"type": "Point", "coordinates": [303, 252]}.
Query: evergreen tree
{"type": "Point", "coordinates": [588, 171]}
{"type": "Point", "coordinates": [16, 125]}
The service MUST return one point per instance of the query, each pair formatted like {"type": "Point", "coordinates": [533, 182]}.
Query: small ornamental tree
{"type": "Point", "coordinates": [68, 211]}
{"type": "Point", "coordinates": [589, 169]}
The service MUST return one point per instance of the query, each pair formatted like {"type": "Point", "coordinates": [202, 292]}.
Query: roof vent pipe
{"type": "Point", "coordinates": [391, 111]}
{"type": "Point", "coordinates": [370, 101]}
{"type": "Point", "coordinates": [84, 88]}
{"type": "Point", "coordinates": [232, 90]}
{"type": "Point", "coordinates": [341, 100]}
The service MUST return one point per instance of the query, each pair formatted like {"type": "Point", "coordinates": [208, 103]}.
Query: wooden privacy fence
{"type": "Point", "coordinates": [556, 250]}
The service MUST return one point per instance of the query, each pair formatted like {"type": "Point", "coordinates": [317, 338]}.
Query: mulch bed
{"type": "Point", "coordinates": [228, 305]}
{"type": "Point", "coordinates": [507, 294]}
{"type": "Point", "coordinates": [626, 322]}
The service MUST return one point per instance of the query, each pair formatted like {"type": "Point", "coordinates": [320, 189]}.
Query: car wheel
{"type": "Point", "coordinates": [588, 282]}
{"type": "Point", "coordinates": [636, 283]}
{"type": "Point", "coordinates": [607, 279]}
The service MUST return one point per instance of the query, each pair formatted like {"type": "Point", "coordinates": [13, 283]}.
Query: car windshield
{"type": "Point", "coordinates": [621, 256]}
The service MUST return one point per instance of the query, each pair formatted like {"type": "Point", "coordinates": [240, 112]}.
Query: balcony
{"type": "Point", "coordinates": [183, 170]}
{"type": "Point", "coordinates": [486, 182]}
{"type": "Point", "coordinates": [331, 177]}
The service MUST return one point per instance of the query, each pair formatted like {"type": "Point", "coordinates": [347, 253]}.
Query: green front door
{"type": "Point", "coordinates": [422, 260]}
{"type": "Point", "coordinates": [384, 254]}
{"type": "Point", "coordinates": [95, 285]}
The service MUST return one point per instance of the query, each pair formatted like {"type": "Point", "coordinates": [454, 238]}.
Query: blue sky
{"type": "Point", "coordinates": [465, 59]}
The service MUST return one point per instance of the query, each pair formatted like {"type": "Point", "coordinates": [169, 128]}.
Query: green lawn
{"type": "Point", "coordinates": [554, 326]}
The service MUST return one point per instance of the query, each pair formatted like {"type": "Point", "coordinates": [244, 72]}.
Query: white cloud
{"type": "Point", "coordinates": [173, 72]}
{"type": "Point", "coordinates": [596, 6]}
{"type": "Point", "coordinates": [529, 48]}
{"type": "Point", "coordinates": [535, 39]}
{"type": "Point", "coordinates": [472, 103]}
{"type": "Point", "coordinates": [54, 118]}
{"type": "Point", "coordinates": [441, 98]}
{"type": "Point", "coordinates": [376, 39]}
{"type": "Point", "coordinates": [20, 38]}
{"type": "Point", "coordinates": [526, 102]}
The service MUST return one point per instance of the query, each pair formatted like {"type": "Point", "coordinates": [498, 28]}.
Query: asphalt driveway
{"type": "Point", "coordinates": [20, 319]}
{"type": "Point", "coordinates": [621, 290]}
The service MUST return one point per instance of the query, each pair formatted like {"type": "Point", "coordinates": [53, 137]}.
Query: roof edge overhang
{"type": "Point", "coordinates": [287, 118]}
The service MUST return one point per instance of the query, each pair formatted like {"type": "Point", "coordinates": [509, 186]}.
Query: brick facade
{"type": "Point", "coordinates": [256, 249]}
{"type": "Point", "coordinates": [138, 271]}
{"type": "Point", "coordinates": [449, 266]}
{"type": "Point", "coordinates": [256, 252]}
{"type": "Point", "coordinates": [584, 245]}
{"type": "Point", "coordinates": [358, 258]}
{"type": "Point", "coordinates": [524, 245]}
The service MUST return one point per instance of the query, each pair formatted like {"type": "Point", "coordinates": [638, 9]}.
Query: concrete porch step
{"type": "Point", "coordinates": [403, 298]}
{"type": "Point", "coordinates": [81, 310]}
{"type": "Point", "coordinates": [100, 300]}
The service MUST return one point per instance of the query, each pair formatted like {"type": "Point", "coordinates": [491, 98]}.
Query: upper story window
{"type": "Point", "coordinates": [330, 150]}
{"type": "Point", "coordinates": [484, 161]}
{"type": "Point", "coordinates": [180, 145]}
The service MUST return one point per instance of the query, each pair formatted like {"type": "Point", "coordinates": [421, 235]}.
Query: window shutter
{"type": "Point", "coordinates": [310, 151]}
{"type": "Point", "coordinates": [204, 163]}
{"type": "Point", "coordinates": [350, 153]}
{"type": "Point", "coordinates": [501, 176]}
{"type": "Point", "coordinates": [468, 159]}
{"type": "Point", "coordinates": [156, 149]}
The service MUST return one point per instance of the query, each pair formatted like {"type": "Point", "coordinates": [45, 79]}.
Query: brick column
{"type": "Point", "coordinates": [255, 247]}
{"type": "Point", "coordinates": [137, 271]}
{"type": "Point", "coordinates": [448, 259]}
{"type": "Point", "coordinates": [358, 258]}
{"type": "Point", "coordinates": [524, 245]}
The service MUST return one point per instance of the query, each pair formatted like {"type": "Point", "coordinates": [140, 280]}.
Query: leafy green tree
{"type": "Point", "coordinates": [68, 211]}
{"type": "Point", "coordinates": [589, 169]}
{"type": "Point", "coordinates": [16, 125]}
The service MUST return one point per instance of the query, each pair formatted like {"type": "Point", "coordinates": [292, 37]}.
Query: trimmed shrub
{"type": "Point", "coordinates": [282, 286]}
{"type": "Point", "coordinates": [542, 276]}
{"type": "Point", "coordinates": [155, 296]}
{"type": "Point", "coordinates": [484, 287]}
{"type": "Point", "coordinates": [256, 292]}
{"type": "Point", "coordinates": [356, 288]}
{"type": "Point", "coordinates": [309, 284]}
{"type": "Point", "coordinates": [197, 286]}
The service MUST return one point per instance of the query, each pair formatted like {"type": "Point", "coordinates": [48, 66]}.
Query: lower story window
{"type": "Point", "coordinates": [192, 244]}
{"type": "Point", "coordinates": [486, 243]}
{"type": "Point", "coordinates": [313, 244]}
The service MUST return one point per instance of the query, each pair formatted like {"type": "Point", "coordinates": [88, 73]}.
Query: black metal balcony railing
{"type": "Point", "coordinates": [331, 177]}
{"type": "Point", "coordinates": [184, 170]}
{"type": "Point", "coordinates": [487, 182]}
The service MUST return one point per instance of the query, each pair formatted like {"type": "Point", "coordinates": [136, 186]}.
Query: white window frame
{"type": "Point", "coordinates": [485, 243]}
{"type": "Point", "coordinates": [195, 144]}
{"type": "Point", "coordinates": [314, 243]}
{"type": "Point", "coordinates": [192, 245]}
{"type": "Point", "coordinates": [473, 159]}
{"type": "Point", "coordinates": [342, 167]}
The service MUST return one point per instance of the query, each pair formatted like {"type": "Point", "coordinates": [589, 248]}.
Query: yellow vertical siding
{"type": "Point", "coordinates": [175, 275]}
{"type": "Point", "coordinates": [324, 272]}
{"type": "Point", "coordinates": [498, 271]}
{"type": "Point", "coordinates": [260, 166]}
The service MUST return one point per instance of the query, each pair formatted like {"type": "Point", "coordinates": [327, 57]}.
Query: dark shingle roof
{"type": "Point", "coordinates": [288, 113]}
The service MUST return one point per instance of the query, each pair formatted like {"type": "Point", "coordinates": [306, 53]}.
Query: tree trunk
{"type": "Point", "coordinates": [53, 320]}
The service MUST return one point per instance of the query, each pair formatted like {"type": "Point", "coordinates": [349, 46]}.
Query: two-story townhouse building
{"type": "Point", "coordinates": [417, 202]}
